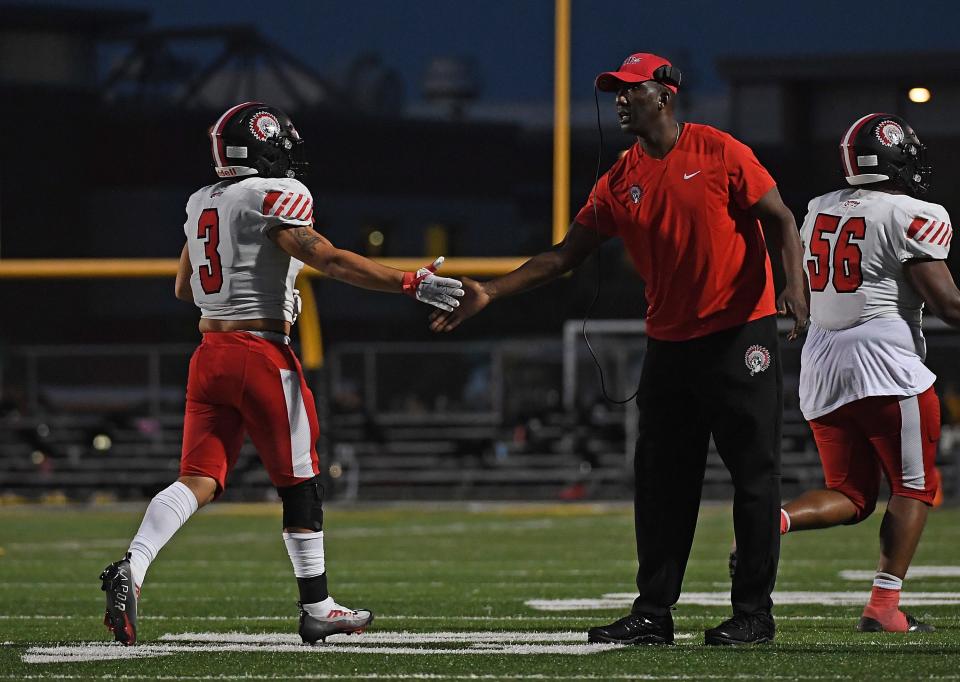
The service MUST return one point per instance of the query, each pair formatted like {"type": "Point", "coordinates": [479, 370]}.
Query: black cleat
{"type": "Point", "coordinates": [743, 628]}
{"type": "Point", "coordinates": [634, 629]}
{"type": "Point", "coordinates": [873, 625]}
{"type": "Point", "coordinates": [121, 615]}
{"type": "Point", "coordinates": [340, 620]}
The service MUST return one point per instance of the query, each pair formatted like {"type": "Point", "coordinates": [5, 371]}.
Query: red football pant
{"type": "Point", "coordinates": [242, 383]}
{"type": "Point", "coordinates": [889, 433]}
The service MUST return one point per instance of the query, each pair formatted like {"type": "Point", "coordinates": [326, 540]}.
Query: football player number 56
{"type": "Point", "coordinates": [844, 259]}
{"type": "Point", "coordinates": [208, 229]}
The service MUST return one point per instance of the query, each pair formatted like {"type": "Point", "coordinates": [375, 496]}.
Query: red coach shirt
{"type": "Point", "coordinates": [685, 221]}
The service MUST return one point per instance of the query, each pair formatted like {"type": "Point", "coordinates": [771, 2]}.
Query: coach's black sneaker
{"type": "Point", "coordinates": [339, 620]}
{"type": "Point", "coordinates": [867, 624]}
{"type": "Point", "coordinates": [743, 628]}
{"type": "Point", "coordinates": [634, 629]}
{"type": "Point", "coordinates": [121, 615]}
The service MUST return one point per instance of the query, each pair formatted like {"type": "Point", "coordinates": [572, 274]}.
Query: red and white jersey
{"type": "Point", "coordinates": [238, 273]}
{"type": "Point", "coordinates": [865, 338]}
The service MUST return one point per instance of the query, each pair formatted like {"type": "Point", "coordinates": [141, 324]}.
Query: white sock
{"type": "Point", "coordinates": [167, 511]}
{"type": "Point", "coordinates": [320, 608]}
{"type": "Point", "coordinates": [887, 581]}
{"type": "Point", "coordinates": [306, 553]}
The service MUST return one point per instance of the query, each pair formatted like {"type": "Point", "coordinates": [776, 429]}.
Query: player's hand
{"type": "Point", "coordinates": [474, 300]}
{"type": "Point", "coordinates": [426, 287]}
{"type": "Point", "coordinates": [793, 302]}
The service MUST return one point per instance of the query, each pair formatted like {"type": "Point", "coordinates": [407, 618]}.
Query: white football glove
{"type": "Point", "coordinates": [426, 287]}
{"type": "Point", "coordinates": [297, 305]}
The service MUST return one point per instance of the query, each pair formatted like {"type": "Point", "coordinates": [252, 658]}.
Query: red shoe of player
{"type": "Point", "coordinates": [892, 621]}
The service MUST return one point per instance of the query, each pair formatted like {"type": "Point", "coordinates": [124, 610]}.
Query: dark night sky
{"type": "Point", "coordinates": [512, 40]}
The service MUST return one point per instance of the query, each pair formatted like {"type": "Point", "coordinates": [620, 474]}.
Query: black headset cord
{"type": "Point", "coordinates": [596, 293]}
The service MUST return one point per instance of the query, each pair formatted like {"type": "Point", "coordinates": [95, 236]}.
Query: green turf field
{"type": "Point", "coordinates": [459, 593]}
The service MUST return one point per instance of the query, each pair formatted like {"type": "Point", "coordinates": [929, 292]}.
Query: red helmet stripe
{"type": "Point", "coordinates": [219, 156]}
{"type": "Point", "coordinates": [847, 152]}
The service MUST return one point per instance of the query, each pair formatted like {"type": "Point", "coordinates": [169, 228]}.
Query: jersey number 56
{"type": "Point", "coordinates": [845, 257]}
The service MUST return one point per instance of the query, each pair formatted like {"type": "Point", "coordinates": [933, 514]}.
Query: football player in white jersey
{"type": "Point", "coordinates": [247, 238]}
{"type": "Point", "coordinates": [875, 257]}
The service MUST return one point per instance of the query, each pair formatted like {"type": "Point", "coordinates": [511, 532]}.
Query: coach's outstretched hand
{"type": "Point", "coordinates": [474, 300]}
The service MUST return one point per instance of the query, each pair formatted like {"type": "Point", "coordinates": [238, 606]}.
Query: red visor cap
{"type": "Point", "coordinates": [636, 68]}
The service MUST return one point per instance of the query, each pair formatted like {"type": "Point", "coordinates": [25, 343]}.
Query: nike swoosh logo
{"type": "Point", "coordinates": [687, 177]}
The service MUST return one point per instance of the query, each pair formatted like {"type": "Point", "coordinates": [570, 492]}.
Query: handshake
{"type": "Point", "coordinates": [425, 286]}
{"type": "Point", "coordinates": [454, 299]}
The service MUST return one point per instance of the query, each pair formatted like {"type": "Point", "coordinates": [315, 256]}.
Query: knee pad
{"type": "Point", "coordinates": [303, 505]}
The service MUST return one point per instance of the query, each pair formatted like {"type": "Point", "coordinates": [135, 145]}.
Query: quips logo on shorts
{"type": "Point", "coordinates": [757, 359]}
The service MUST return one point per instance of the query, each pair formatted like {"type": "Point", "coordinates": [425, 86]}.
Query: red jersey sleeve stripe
{"type": "Point", "coordinates": [945, 239]}
{"type": "Point", "coordinates": [305, 209]}
{"type": "Point", "coordinates": [269, 200]}
{"type": "Point", "coordinates": [281, 206]}
{"type": "Point", "coordinates": [915, 226]}
{"type": "Point", "coordinates": [936, 235]}
{"type": "Point", "coordinates": [288, 213]}
{"type": "Point", "coordinates": [923, 235]}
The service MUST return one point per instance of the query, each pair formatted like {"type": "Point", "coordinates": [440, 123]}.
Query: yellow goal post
{"type": "Point", "coordinates": [309, 323]}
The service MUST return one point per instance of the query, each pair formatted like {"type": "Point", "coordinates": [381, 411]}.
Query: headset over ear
{"type": "Point", "coordinates": [667, 75]}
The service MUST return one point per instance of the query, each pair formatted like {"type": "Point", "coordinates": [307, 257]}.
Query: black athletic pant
{"type": "Point", "coordinates": [728, 384]}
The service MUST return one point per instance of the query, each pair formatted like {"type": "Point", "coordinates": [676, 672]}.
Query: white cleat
{"type": "Point", "coordinates": [339, 620]}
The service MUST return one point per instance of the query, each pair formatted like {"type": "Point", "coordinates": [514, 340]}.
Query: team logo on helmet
{"type": "Point", "coordinates": [757, 359]}
{"type": "Point", "coordinates": [889, 133]}
{"type": "Point", "coordinates": [264, 125]}
{"type": "Point", "coordinates": [636, 193]}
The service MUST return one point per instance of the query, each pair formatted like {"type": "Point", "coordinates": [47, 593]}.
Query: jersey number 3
{"type": "Point", "coordinates": [211, 273]}
{"type": "Point", "coordinates": [846, 256]}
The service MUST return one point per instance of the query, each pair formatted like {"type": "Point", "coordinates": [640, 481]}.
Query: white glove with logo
{"type": "Point", "coordinates": [426, 287]}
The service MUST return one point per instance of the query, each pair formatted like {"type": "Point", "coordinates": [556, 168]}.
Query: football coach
{"type": "Point", "coordinates": [696, 212]}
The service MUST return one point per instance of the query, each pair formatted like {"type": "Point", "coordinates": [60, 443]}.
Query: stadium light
{"type": "Point", "coordinates": [375, 238]}
{"type": "Point", "coordinates": [919, 95]}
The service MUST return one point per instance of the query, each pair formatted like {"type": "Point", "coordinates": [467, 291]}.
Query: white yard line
{"type": "Point", "coordinates": [914, 572]}
{"type": "Point", "coordinates": [110, 652]}
{"type": "Point", "coordinates": [386, 637]}
{"type": "Point", "coordinates": [625, 600]}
